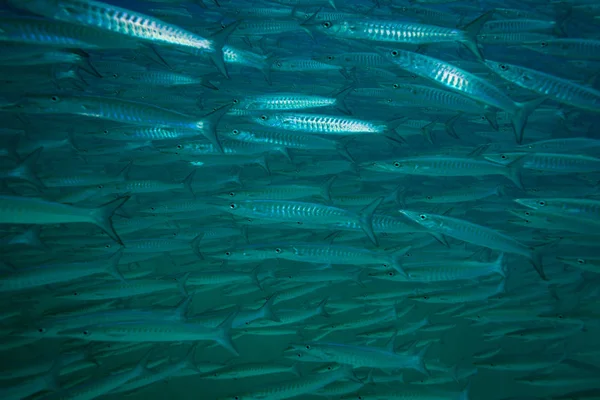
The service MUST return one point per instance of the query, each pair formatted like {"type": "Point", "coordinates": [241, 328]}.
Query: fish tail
{"type": "Point", "coordinates": [450, 126]}
{"type": "Point", "coordinates": [25, 169]}
{"type": "Point", "coordinates": [536, 260]}
{"type": "Point", "coordinates": [366, 219]}
{"type": "Point", "coordinates": [465, 393]}
{"type": "Point", "coordinates": [520, 117]}
{"type": "Point", "coordinates": [112, 266]}
{"type": "Point", "coordinates": [500, 266]}
{"type": "Point", "coordinates": [219, 40]}
{"type": "Point", "coordinates": [267, 310]}
{"type": "Point", "coordinates": [102, 217]}
{"type": "Point", "coordinates": [326, 188]}
{"type": "Point", "coordinates": [470, 32]}
{"type": "Point", "coordinates": [321, 307]}
{"type": "Point", "coordinates": [212, 121]}
{"type": "Point", "coordinates": [397, 257]}
{"type": "Point", "coordinates": [224, 334]}
{"type": "Point", "coordinates": [187, 182]}
{"type": "Point", "coordinates": [340, 100]}
{"type": "Point", "coordinates": [420, 356]}
{"type": "Point", "coordinates": [513, 172]}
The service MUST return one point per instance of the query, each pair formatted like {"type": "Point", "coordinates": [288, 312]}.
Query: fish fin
{"type": "Point", "coordinates": [224, 334]}
{"type": "Point", "coordinates": [524, 109]}
{"type": "Point", "coordinates": [536, 260]}
{"type": "Point", "coordinates": [25, 169]}
{"type": "Point", "coordinates": [427, 131]}
{"type": "Point", "coordinates": [366, 219]}
{"type": "Point", "coordinates": [267, 310]}
{"type": "Point", "coordinates": [219, 40]}
{"type": "Point", "coordinates": [102, 217]}
{"type": "Point", "coordinates": [296, 370]}
{"type": "Point", "coordinates": [340, 100]}
{"type": "Point", "coordinates": [450, 126]}
{"type": "Point", "coordinates": [492, 118]}
{"type": "Point", "coordinates": [187, 182]}
{"type": "Point", "coordinates": [470, 32]}
{"type": "Point", "coordinates": [112, 267]}
{"type": "Point", "coordinates": [513, 172]}
{"type": "Point", "coordinates": [500, 266]}
{"type": "Point", "coordinates": [212, 120]}
{"type": "Point", "coordinates": [321, 308]}
{"type": "Point", "coordinates": [183, 308]}
{"type": "Point", "coordinates": [397, 257]}
{"type": "Point", "coordinates": [326, 188]}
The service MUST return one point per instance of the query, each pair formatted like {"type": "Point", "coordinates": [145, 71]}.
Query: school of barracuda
{"type": "Point", "coordinates": [302, 199]}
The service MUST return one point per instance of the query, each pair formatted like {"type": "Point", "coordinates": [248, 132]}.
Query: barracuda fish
{"type": "Point", "coordinates": [469, 84]}
{"type": "Point", "coordinates": [23, 210]}
{"type": "Point", "coordinates": [300, 213]}
{"type": "Point", "coordinates": [291, 101]}
{"type": "Point", "coordinates": [447, 166]}
{"type": "Point", "coordinates": [561, 90]}
{"type": "Point", "coordinates": [358, 356]}
{"type": "Point", "coordinates": [130, 24]}
{"type": "Point", "coordinates": [402, 32]}
{"type": "Point", "coordinates": [476, 234]}
{"type": "Point", "coordinates": [122, 111]}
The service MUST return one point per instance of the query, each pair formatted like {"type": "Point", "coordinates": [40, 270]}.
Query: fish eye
{"type": "Point", "coordinates": [326, 24]}
{"type": "Point", "coordinates": [389, 100]}
{"type": "Point", "coordinates": [86, 333]}
{"type": "Point", "coordinates": [180, 146]}
{"type": "Point", "coordinates": [426, 297]}
{"type": "Point", "coordinates": [503, 156]}
{"type": "Point", "coordinates": [235, 132]}
{"type": "Point", "coordinates": [307, 347]}
{"type": "Point", "coordinates": [580, 261]}
{"type": "Point", "coordinates": [394, 53]}
{"type": "Point", "coordinates": [390, 273]}
{"type": "Point", "coordinates": [235, 101]}
{"type": "Point", "coordinates": [395, 86]}
{"type": "Point", "coordinates": [527, 213]}
{"type": "Point", "coordinates": [41, 330]}
{"type": "Point", "coordinates": [264, 117]}
{"type": "Point", "coordinates": [542, 203]}
{"type": "Point", "coordinates": [560, 316]}
{"type": "Point", "coordinates": [107, 246]}
{"type": "Point", "coordinates": [278, 63]}
{"type": "Point", "coordinates": [544, 44]}
{"type": "Point", "coordinates": [397, 164]}
{"type": "Point", "coordinates": [233, 206]}
{"type": "Point", "coordinates": [330, 58]}
{"type": "Point", "coordinates": [54, 98]}
{"type": "Point", "coordinates": [75, 293]}
{"type": "Point", "coordinates": [428, 197]}
{"type": "Point", "coordinates": [231, 194]}
{"type": "Point", "coordinates": [278, 251]}
{"type": "Point", "coordinates": [503, 67]}
{"type": "Point", "coordinates": [423, 216]}
{"type": "Point", "coordinates": [100, 186]}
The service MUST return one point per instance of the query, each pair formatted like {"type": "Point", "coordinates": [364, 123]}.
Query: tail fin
{"type": "Point", "coordinates": [366, 220]}
{"type": "Point", "coordinates": [187, 182]}
{"type": "Point", "coordinates": [219, 40]}
{"type": "Point", "coordinates": [266, 311]}
{"type": "Point", "coordinates": [519, 120]}
{"type": "Point", "coordinates": [210, 122]}
{"type": "Point", "coordinates": [102, 217]}
{"type": "Point", "coordinates": [470, 32]}
{"type": "Point", "coordinates": [25, 170]}
{"type": "Point", "coordinates": [224, 334]}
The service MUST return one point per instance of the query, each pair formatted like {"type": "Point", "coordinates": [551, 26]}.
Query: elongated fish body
{"type": "Point", "coordinates": [124, 111]}
{"type": "Point", "coordinates": [578, 208]}
{"type": "Point", "coordinates": [359, 356]}
{"type": "Point", "coordinates": [476, 234]}
{"type": "Point", "coordinates": [580, 49]}
{"type": "Point", "coordinates": [321, 124]}
{"type": "Point", "coordinates": [561, 90]}
{"type": "Point", "coordinates": [459, 80]}
{"type": "Point", "coordinates": [551, 162]}
{"type": "Point", "coordinates": [290, 140]}
{"type": "Point", "coordinates": [284, 101]}
{"type": "Point", "coordinates": [445, 166]}
{"type": "Point", "coordinates": [39, 31]}
{"type": "Point", "coordinates": [296, 387]}
{"type": "Point", "coordinates": [403, 32]}
{"type": "Point", "coordinates": [124, 22]}
{"type": "Point", "coordinates": [301, 212]}
{"type": "Point", "coordinates": [32, 211]}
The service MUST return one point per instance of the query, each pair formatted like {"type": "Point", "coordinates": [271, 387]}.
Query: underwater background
{"type": "Point", "coordinates": [276, 199]}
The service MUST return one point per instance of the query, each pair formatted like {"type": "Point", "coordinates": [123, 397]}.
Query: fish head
{"type": "Point", "coordinates": [302, 351]}
{"type": "Point", "coordinates": [578, 262]}
{"type": "Point", "coordinates": [424, 219]}
{"type": "Point", "coordinates": [541, 46]}
{"type": "Point", "coordinates": [505, 70]}
{"type": "Point", "coordinates": [329, 27]}
{"type": "Point", "coordinates": [536, 204]}
{"type": "Point", "coordinates": [503, 158]}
